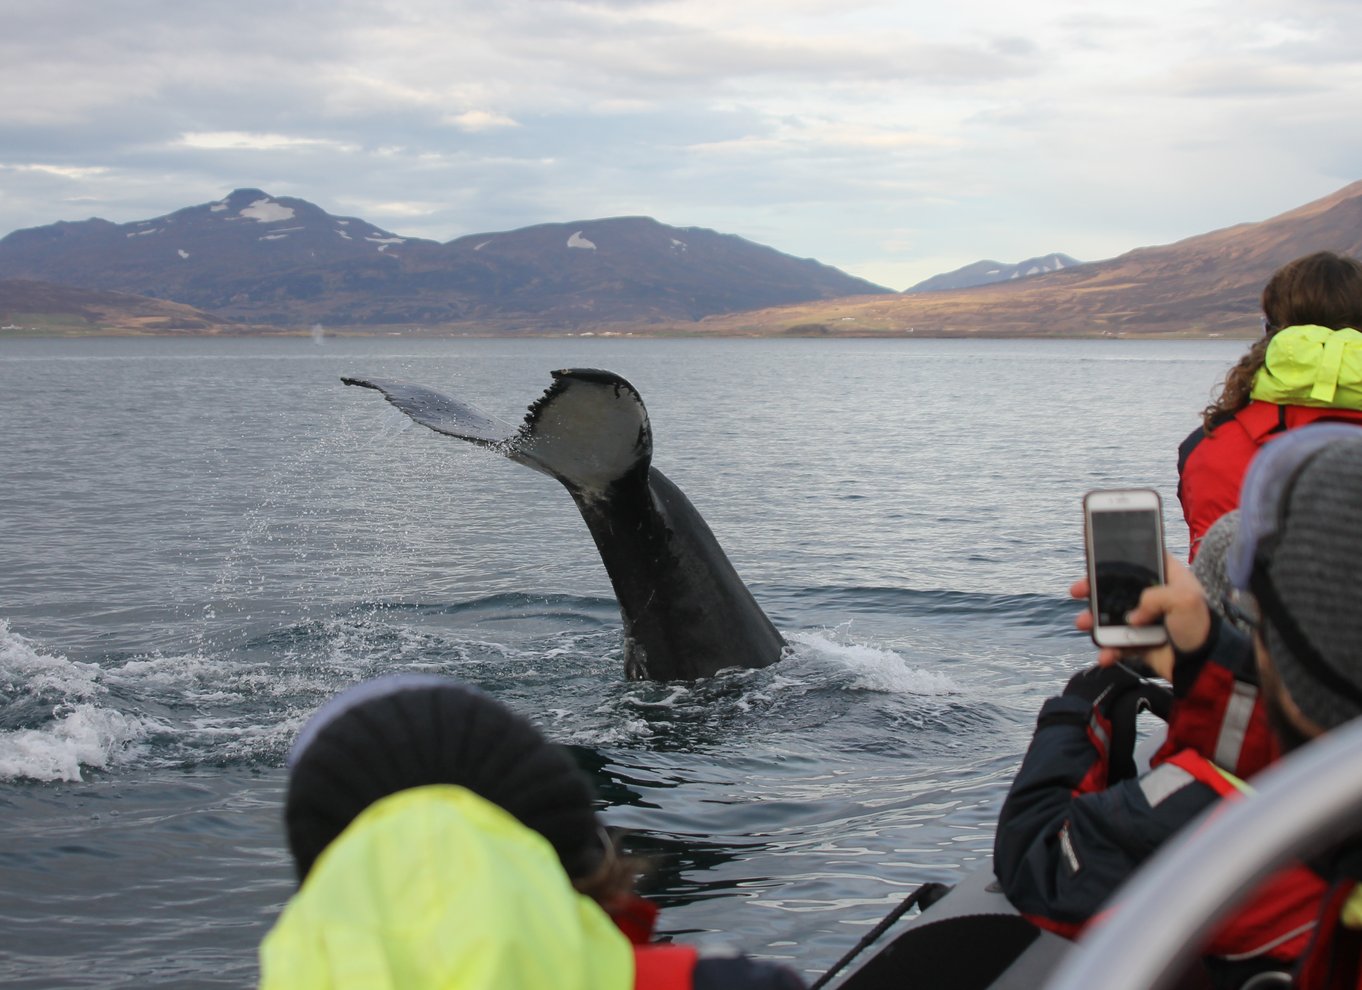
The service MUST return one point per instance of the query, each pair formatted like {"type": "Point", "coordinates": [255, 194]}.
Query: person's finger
{"type": "Point", "coordinates": [1155, 602]}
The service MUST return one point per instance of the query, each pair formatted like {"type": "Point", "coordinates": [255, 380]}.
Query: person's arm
{"type": "Point", "coordinates": [1217, 709]}
{"type": "Point", "coordinates": [1065, 840]}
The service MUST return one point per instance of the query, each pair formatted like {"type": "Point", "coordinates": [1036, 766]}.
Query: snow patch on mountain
{"type": "Point", "coordinates": [985, 272]}
{"type": "Point", "coordinates": [578, 241]}
{"type": "Point", "coordinates": [266, 210]}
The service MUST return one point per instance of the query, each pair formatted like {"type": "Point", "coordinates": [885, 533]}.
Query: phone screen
{"type": "Point", "coordinates": [1126, 559]}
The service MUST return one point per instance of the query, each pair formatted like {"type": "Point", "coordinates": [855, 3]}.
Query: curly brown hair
{"type": "Point", "coordinates": [1323, 289]}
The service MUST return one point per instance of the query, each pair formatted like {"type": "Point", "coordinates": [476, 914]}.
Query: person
{"type": "Point", "coordinates": [1306, 367]}
{"type": "Point", "coordinates": [1070, 833]}
{"type": "Point", "coordinates": [441, 841]}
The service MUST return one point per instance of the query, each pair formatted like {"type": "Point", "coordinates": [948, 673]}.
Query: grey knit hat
{"type": "Point", "coordinates": [1298, 549]}
{"type": "Point", "coordinates": [1209, 566]}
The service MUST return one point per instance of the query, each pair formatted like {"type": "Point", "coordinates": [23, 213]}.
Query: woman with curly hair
{"type": "Point", "coordinates": [1306, 367]}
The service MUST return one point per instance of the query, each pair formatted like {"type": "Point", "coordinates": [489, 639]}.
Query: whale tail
{"type": "Point", "coordinates": [588, 430]}
{"type": "Point", "coordinates": [686, 612]}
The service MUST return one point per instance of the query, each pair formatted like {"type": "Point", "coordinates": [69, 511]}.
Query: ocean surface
{"type": "Point", "coordinates": [202, 540]}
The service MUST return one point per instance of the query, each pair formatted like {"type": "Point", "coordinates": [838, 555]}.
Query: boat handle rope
{"type": "Point", "coordinates": [931, 892]}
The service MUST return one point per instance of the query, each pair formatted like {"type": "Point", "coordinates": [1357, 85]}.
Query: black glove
{"type": "Point", "coordinates": [1100, 686]}
{"type": "Point", "coordinates": [1122, 710]}
{"type": "Point", "coordinates": [1120, 695]}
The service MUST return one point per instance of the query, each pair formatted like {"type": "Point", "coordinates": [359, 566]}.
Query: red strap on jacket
{"type": "Point", "coordinates": [1204, 771]}
{"type": "Point", "coordinates": [1262, 419]}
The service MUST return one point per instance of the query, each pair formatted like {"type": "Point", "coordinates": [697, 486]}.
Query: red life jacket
{"type": "Point", "coordinates": [1213, 470]}
{"type": "Point", "coordinates": [1278, 919]}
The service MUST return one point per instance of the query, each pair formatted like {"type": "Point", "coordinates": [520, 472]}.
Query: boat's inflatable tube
{"type": "Point", "coordinates": [971, 939]}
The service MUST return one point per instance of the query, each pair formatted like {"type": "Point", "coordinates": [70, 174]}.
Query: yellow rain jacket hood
{"type": "Point", "coordinates": [436, 887]}
{"type": "Point", "coordinates": [1312, 366]}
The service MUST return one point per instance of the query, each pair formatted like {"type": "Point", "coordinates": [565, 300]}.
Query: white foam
{"type": "Point", "coordinates": [83, 735]}
{"type": "Point", "coordinates": [82, 732]}
{"type": "Point", "coordinates": [24, 669]}
{"type": "Point", "coordinates": [873, 668]}
{"type": "Point", "coordinates": [624, 732]}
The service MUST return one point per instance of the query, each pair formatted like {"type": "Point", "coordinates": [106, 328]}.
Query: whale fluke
{"type": "Point", "coordinates": [686, 612]}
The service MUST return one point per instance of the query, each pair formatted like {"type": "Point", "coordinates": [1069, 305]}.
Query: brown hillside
{"type": "Point", "coordinates": [29, 307]}
{"type": "Point", "coordinates": [1208, 284]}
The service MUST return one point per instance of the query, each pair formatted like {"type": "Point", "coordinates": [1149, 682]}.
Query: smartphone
{"type": "Point", "coordinates": [1124, 535]}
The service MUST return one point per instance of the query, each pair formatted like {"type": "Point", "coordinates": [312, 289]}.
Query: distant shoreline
{"type": "Point", "coordinates": [658, 334]}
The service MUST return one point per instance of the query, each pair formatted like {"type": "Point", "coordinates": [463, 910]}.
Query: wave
{"type": "Point", "coordinates": [56, 717]}
{"type": "Point", "coordinates": [1013, 609]}
{"type": "Point", "coordinates": [871, 668]}
{"type": "Point", "coordinates": [239, 697]}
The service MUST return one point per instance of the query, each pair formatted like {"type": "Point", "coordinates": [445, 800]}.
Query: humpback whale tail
{"type": "Point", "coordinates": [686, 612]}
{"type": "Point", "coordinates": [588, 430]}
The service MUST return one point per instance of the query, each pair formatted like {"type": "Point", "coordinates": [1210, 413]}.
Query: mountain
{"type": "Point", "coordinates": [41, 307]}
{"type": "Point", "coordinates": [1209, 284]}
{"type": "Point", "coordinates": [285, 262]}
{"type": "Point", "coordinates": [984, 272]}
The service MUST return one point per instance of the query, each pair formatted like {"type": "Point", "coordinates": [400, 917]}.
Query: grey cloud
{"type": "Point", "coordinates": [622, 107]}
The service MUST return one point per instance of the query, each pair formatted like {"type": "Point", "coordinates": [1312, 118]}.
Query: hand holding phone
{"type": "Point", "coordinates": [1124, 536]}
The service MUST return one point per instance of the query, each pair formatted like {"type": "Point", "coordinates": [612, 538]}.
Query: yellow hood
{"type": "Point", "coordinates": [436, 887]}
{"type": "Point", "coordinates": [1312, 366]}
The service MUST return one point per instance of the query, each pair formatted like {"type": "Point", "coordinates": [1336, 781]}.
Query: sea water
{"type": "Point", "coordinates": [202, 540]}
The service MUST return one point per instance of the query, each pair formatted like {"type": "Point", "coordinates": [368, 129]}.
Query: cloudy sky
{"type": "Point", "coordinates": [894, 140]}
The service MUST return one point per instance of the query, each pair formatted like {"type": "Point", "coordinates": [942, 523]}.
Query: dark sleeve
{"type": "Point", "coordinates": [1060, 851]}
{"type": "Point", "coordinates": [744, 973]}
{"type": "Point", "coordinates": [1217, 708]}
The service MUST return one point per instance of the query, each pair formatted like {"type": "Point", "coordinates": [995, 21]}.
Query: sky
{"type": "Point", "coordinates": [894, 140]}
